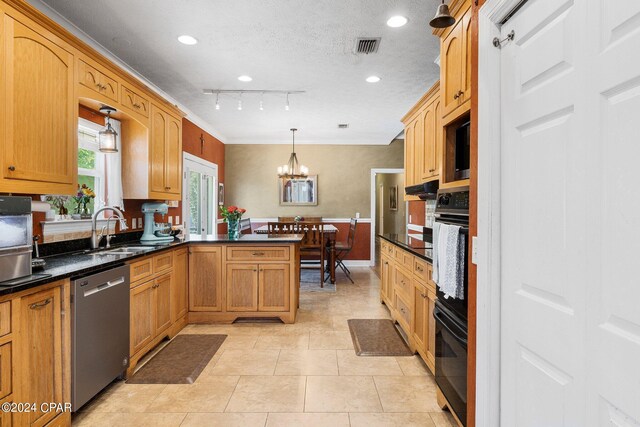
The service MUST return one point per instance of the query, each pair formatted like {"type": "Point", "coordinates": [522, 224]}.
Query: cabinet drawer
{"type": "Point", "coordinates": [5, 318]}
{"type": "Point", "coordinates": [404, 258]}
{"type": "Point", "coordinates": [134, 102]}
{"type": "Point", "coordinates": [5, 370]}
{"type": "Point", "coordinates": [402, 283]}
{"type": "Point", "coordinates": [387, 248]}
{"type": "Point", "coordinates": [141, 269]}
{"type": "Point", "coordinates": [404, 312]}
{"type": "Point", "coordinates": [422, 269]}
{"type": "Point", "coordinates": [257, 253]}
{"type": "Point", "coordinates": [162, 262]}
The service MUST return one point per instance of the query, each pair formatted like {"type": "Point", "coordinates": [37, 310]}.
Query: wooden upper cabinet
{"type": "Point", "coordinates": [408, 156]}
{"type": "Point", "coordinates": [134, 102]}
{"type": "Point", "coordinates": [432, 141]}
{"type": "Point", "coordinates": [242, 287]}
{"type": "Point", "coordinates": [165, 155]}
{"type": "Point", "coordinates": [39, 112]}
{"type": "Point", "coordinates": [205, 278]}
{"type": "Point", "coordinates": [99, 82]}
{"type": "Point", "coordinates": [455, 62]}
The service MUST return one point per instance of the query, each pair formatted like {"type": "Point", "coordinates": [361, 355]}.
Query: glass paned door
{"type": "Point", "coordinates": [200, 196]}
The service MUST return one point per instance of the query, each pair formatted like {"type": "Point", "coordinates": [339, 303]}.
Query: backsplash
{"type": "Point", "coordinates": [430, 209]}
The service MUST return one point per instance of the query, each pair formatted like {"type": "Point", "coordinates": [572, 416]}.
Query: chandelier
{"type": "Point", "coordinates": [292, 169]}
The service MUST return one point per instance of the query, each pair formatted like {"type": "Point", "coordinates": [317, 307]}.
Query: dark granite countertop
{"type": "Point", "coordinates": [412, 243]}
{"type": "Point", "coordinates": [76, 264]}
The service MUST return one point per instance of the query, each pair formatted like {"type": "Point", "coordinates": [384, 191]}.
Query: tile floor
{"type": "Point", "coordinates": [305, 374]}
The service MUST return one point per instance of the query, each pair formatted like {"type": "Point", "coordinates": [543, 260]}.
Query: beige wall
{"type": "Point", "coordinates": [394, 220]}
{"type": "Point", "coordinates": [344, 177]}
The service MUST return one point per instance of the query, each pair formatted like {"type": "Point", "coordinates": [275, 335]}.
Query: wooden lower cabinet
{"type": "Point", "coordinates": [179, 285]}
{"type": "Point", "coordinates": [410, 295]}
{"type": "Point", "coordinates": [242, 287]}
{"type": "Point", "coordinates": [236, 280]}
{"type": "Point", "coordinates": [142, 320]}
{"type": "Point", "coordinates": [41, 361]}
{"type": "Point", "coordinates": [205, 278]}
{"type": "Point", "coordinates": [162, 302]}
{"type": "Point", "coordinates": [424, 327]}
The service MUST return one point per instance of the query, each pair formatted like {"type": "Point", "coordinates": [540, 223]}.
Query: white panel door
{"type": "Point", "coordinates": [571, 214]}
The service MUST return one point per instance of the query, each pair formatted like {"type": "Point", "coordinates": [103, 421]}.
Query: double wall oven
{"type": "Point", "coordinates": [452, 208]}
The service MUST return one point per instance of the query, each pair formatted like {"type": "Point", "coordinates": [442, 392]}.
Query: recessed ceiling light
{"type": "Point", "coordinates": [397, 21]}
{"type": "Point", "coordinates": [188, 40]}
{"type": "Point", "coordinates": [245, 78]}
{"type": "Point", "coordinates": [373, 79]}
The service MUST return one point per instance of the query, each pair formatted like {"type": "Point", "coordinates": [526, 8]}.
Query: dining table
{"type": "Point", "coordinates": [330, 231]}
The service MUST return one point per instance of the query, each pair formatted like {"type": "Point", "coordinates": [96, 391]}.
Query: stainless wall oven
{"type": "Point", "coordinates": [450, 314]}
{"type": "Point", "coordinates": [15, 237]}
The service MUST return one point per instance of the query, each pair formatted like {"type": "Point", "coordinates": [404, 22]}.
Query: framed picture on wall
{"type": "Point", "coordinates": [221, 194]}
{"type": "Point", "coordinates": [393, 198]}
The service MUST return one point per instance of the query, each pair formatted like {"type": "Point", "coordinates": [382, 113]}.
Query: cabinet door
{"type": "Point", "coordinates": [142, 316]}
{"type": "Point", "coordinates": [431, 330]}
{"type": "Point", "coordinates": [420, 321]}
{"type": "Point", "coordinates": [418, 148]}
{"type": "Point", "coordinates": [466, 60]}
{"type": "Point", "coordinates": [437, 138]}
{"type": "Point", "coordinates": [242, 287]}
{"type": "Point", "coordinates": [162, 303]}
{"type": "Point", "coordinates": [40, 340]}
{"type": "Point", "coordinates": [408, 155]}
{"type": "Point", "coordinates": [173, 156]}
{"type": "Point", "coordinates": [387, 283]}
{"type": "Point", "coordinates": [426, 159]}
{"type": "Point", "coordinates": [157, 148]}
{"type": "Point", "coordinates": [179, 304]}
{"type": "Point", "coordinates": [205, 278]}
{"type": "Point", "coordinates": [273, 287]}
{"type": "Point", "coordinates": [451, 68]}
{"type": "Point", "coordinates": [40, 112]}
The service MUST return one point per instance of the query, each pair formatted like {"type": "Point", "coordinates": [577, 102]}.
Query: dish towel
{"type": "Point", "coordinates": [448, 260]}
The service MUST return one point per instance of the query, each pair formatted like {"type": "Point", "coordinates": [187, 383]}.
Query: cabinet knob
{"type": "Point", "coordinates": [167, 188]}
{"type": "Point", "coordinates": [12, 168]}
{"type": "Point", "coordinates": [255, 269]}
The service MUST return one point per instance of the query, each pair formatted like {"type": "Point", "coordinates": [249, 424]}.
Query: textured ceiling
{"type": "Point", "coordinates": [284, 45]}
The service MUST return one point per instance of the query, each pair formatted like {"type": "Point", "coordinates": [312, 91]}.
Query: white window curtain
{"type": "Point", "coordinates": [114, 171]}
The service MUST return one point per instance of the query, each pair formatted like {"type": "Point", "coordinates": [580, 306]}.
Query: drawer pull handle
{"type": "Point", "coordinates": [257, 253]}
{"type": "Point", "coordinates": [423, 295]}
{"type": "Point", "coordinates": [419, 268]}
{"type": "Point", "coordinates": [38, 305]}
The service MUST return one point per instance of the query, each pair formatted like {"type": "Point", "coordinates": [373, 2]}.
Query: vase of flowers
{"type": "Point", "coordinates": [82, 199]}
{"type": "Point", "coordinates": [232, 216]}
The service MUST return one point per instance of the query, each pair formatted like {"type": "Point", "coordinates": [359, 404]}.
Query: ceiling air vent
{"type": "Point", "coordinates": [343, 125]}
{"type": "Point", "coordinates": [367, 45]}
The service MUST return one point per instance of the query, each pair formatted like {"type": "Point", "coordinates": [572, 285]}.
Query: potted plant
{"type": "Point", "coordinates": [232, 216]}
{"type": "Point", "coordinates": [83, 198]}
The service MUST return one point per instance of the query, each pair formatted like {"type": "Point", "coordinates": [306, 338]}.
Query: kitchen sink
{"type": "Point", "coordinates": [124, 250]}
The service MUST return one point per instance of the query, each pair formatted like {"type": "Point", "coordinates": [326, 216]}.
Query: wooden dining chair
{"type": "Point", "coordinates": [304, 219]}
{"type": "Point", "coordinates": [343, 248]}
{"type": "Point", "coordinates": [312, 247]}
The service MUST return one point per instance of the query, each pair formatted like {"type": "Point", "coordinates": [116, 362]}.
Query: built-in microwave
{"type": "Point", "coordinates": [462, 154]}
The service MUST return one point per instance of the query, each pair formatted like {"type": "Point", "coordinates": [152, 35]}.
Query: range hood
{"type": "Point", "coordinates": [426, 190]}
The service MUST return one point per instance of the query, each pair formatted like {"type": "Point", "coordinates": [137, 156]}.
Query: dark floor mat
{"type": "Point", "coordinates": [377, 337]}
{"type": "Point", "coordinates": [180, 362]}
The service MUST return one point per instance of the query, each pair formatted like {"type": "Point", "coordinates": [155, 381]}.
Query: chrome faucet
{"type": "Point", "coordinates": [95, 237]}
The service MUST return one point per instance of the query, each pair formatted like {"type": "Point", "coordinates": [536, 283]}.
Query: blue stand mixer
{"type": "Point", "coordinates": [155, 232]}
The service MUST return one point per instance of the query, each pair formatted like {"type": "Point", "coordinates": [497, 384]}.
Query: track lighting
{"type": "Point", "coordinates": [286, 106]}
{"type": "Point", "coordinates": [240, 102]}
{"type": "Point", "coordinates": [217, 99]}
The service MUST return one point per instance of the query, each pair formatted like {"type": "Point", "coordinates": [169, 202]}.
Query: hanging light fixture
{"type": "Point", "coordinates": [292, 169]}
{"type": "Point", "coordinates": [443, 18]}
{"type": "Point", "coordinates": [107, 138]}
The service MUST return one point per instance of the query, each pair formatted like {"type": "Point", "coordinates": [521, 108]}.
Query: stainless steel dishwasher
{"type": "Point", "coordinates": [100, 332]}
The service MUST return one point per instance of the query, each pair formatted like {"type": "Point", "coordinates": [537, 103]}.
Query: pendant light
{"type": "Point", "coordinates": [443, 18]}
{"type": "Point", "coordinates": [107, 138]}
{"type": "Point", "coordinates": [292, 169]}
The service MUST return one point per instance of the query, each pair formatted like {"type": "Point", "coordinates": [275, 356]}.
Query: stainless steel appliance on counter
{"type": "Point", "coordinates": [100, 332]}
{"type": "Point", "coordinates": [452, 208]}
{"type": "Point", "coordinates": [15, 237]}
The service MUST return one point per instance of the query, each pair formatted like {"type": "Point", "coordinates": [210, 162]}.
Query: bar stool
{"type": "Point", "coordinates": [343, 248]}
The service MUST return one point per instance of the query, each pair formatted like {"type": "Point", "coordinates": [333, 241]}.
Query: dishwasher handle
{"type": "Point", "coordinates": [104, 286]}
